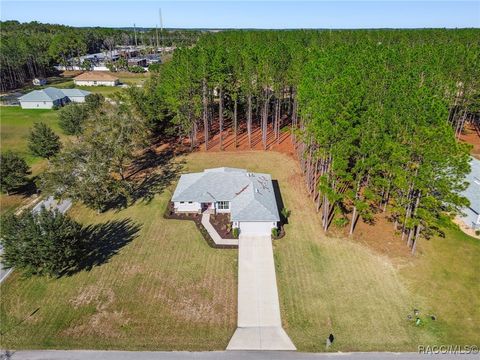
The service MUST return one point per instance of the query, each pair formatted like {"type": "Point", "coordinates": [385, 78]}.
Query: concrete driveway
{"type": "Point", "coordinates": [259, 322]}
{"type": "Point", "coordinates": [3, 272]}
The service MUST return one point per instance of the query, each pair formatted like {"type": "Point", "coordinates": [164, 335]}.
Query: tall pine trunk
{"type": "Point", "coordinates": [205, 112]}
{"type": "Point", "coordinates": [220, 115]}
{"type": "Point", "coordinates": [235, 121]}
{"type": "Point", "coordinates": [249, 120]}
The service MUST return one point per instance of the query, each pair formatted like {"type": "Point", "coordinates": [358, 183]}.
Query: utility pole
{"type": "Point", "coordinates": [135, 33]}
{"type": "Point", "coordinates": [161, 29]}
{"type": "Point", "coordinates": [156, 31]}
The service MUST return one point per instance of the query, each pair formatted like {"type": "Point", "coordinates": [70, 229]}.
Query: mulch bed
{"type": "Point", "coordinates": [197, 219]}
{"type": "Point", "coordinates": [281, 233]}
{"type": "Point", "coordinates": [222, 224]}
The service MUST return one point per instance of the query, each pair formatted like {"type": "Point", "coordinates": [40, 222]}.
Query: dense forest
{"type": "Point", "coordinates": [374, 114]}
{"type": "Point", "coordinates": [29, 50]}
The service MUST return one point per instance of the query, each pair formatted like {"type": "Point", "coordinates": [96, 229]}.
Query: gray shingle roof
{"type": "Point", "coordinates": [251, 195]}
{"type": "Point", "coordinates": [472, 193]}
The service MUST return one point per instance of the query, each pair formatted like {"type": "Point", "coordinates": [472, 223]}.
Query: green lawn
{"type": "Point", "coordinates": [167, 289]}
{"type": "Point", "coordinates": [16, 124]}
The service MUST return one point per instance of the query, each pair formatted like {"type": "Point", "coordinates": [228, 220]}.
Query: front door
{"type": "Point", "coordinates": [207, 206]}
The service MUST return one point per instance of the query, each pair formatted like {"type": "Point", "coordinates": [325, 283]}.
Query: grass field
{"type": "Point", "coordinates": [15, 127]}
{"type": "Point", "coordinates": [16, 124]}
{"type": "Point", "coordinates": [166, 289]}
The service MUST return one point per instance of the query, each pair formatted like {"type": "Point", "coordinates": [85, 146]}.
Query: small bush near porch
{"type": "Point", "coordinates": [223, 225]}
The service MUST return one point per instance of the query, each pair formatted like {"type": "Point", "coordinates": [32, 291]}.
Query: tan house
{"type": "Point", "coordinates": [95, 78]}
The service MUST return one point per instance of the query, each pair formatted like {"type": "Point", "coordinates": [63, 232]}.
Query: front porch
{"type": "Point", "coordinates": [208, 208]}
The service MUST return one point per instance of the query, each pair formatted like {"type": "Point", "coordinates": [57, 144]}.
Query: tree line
{"type": "Point", "coordinates": [29, 50]}
{"type": "Point", "coordinates": [373, 114]}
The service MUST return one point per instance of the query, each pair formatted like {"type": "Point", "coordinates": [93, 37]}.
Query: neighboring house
{"type": "Point", "coordinates": [50, 97]}
{"type": "Point", "coordinates": [43, 99]}
{"type": "Point", "coordinates": [95, 78]}
{"type": "Point", "coordinates": [249, 198]}
{"type": "Point", "coordinates": [76, 95]}
{"type": "Point", "coordinates": [138, 62]}
{"type": "Point", "coordinates": [472, 193]}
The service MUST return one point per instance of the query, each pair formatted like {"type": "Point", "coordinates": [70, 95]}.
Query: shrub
{"type": "Point", "coordinates": [274, 232]}
{"type": "Point", "coordinates": [286, 213]}
{"type": "Point", "coordinates": [340, 221]}
{"type": "Point", "coordinates": [477, 232]}
{"type": "Point", "coordinates": [44, 243]}
{"type": "Point", "coordinates": [136, 69]}
{"type": "Point", "coordinates": [235, 232]}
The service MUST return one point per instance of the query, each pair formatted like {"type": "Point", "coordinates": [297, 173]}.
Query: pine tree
{"type": "Point", "coordinates": [43, 141]}
{"type": "Point", "coordinates": [13, 171]}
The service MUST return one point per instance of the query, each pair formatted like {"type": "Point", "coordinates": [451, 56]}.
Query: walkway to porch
{"type": "Point", "coordinates": [213, 233]}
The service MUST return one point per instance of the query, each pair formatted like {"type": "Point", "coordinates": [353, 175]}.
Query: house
{"type": "Point", "coordinates": [137, 62]}
{"type": "Point", "coordinates": [76, 95]}
{"type": "Point", "coordinates": [248, 197]}
{"type": "Point", "coordinates": [472, 193]}
{"type": "Point", "coordinates": [51, 97]}
{"type": "Point", "coordinates": [95, 78]}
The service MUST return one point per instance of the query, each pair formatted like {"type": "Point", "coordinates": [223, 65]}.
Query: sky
{"type": "Point", "coordinates": [248, 14]}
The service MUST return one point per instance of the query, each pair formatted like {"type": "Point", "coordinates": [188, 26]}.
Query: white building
{"type": "Point", "coordinates": [50, 97]}
{"type": "Point", "coordinates": [472, 193]}
{"type": "Point", "coordinates": [249, 198]}
{"type": "Point", "coordinates": [95, 78]}
{"type": "Point", "coordinates": [76, 95]}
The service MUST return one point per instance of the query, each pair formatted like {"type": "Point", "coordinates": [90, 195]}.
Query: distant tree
{"type": "Point", "coordinates": [72, 116]}
{"type": "Point", "coordinates": [122, 64]}
{"type": "Point", "coordinates": [94, 101]}
{"type": "Point", "coordinates": [43, 141]}
{"type": "Point", "coordinates": [45, 243]}
{"type": "Point", "coordinates": [86, 65]}
{"type": "Point", "coordinates": [13, 171]}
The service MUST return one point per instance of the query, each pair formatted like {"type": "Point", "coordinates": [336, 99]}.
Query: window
{"type": "Point", "coordinates": [190, 202]}
{"type": "Point", "coordinates": [182, 202]}
{"type": "Point", "coordinates": [223, 205]}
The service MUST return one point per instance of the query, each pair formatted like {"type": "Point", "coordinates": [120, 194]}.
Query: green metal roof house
{"type": "Point", "coordinates": [49, 97]}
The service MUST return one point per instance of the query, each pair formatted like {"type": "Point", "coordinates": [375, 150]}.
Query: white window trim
{"type": "Point", "coordinates": [223, 205]}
